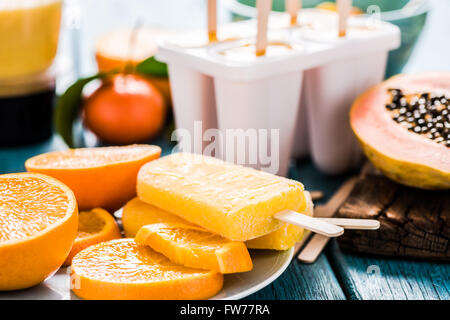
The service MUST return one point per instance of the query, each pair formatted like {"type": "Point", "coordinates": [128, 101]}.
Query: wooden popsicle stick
{"type": "Point", "coordinates": [336, 200]}
{"type": "Point", "coordinates": [316, 194]}
{"type": "Point", "coordinates": [355, 224]}
{"type": "Point", "coordinates": [344, 9]}
{"type": "Point", "coordinates": [264, 8]}
{"type": "Point", "coordinates": [212, 20]}
{"type": "Point", "coordinates": [292, 7]}
{"type": "Point", "coordinates": [310, 223]}
{"type": "Point", "coordinates": [315, 246]}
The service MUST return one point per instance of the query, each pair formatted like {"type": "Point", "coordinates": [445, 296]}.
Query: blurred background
{"type": "Point", "coordinates": [98, 17]}
{"type": "Point", "coordinates": [53, 45]}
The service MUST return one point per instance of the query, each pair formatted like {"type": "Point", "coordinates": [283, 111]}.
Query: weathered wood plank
{"type": "Point", "coordinates": [365, 277]}
{"type": "Point", "coordinates": [398, 279]}
{"type": "Point", "coordinates": [414, 223]}
{"type": "Point", "coordinates": [304, 282]}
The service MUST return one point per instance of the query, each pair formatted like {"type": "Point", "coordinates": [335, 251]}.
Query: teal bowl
{"type": "Point", "coordinates": [408, 15]}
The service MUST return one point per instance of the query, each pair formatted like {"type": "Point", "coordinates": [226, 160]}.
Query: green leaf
{"type": "Point", "coordinates": [152, 67]}
{"type": "Point", "coordinates": [68, 108]}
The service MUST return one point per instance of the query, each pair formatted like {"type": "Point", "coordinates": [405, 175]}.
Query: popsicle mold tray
{"type": "Point", "coordinates": [295, 99]}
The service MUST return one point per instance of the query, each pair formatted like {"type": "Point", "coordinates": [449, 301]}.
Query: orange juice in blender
{"type": "Point", "coordinates": [29, 31]}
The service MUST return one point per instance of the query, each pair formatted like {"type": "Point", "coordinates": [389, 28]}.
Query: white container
{"type": "Point", "coordinates": [258, 93]}
{"type": "Point", "coordinates": [334, 148]}
{"type": "Point", "coordinates": [266, 109]}
{"type": "Point", "coordinates": [257, 115]}
{"type": "Point", "coordinates": [194, 106]}
{"type": "Point", "coordinates": [300, 145]}
{"type": "Point", "coordinates": [192, 91]}
{"type": "Point", "coordinates": [331, 88]}
{"type": "Point", "coordinates": [266, 92]}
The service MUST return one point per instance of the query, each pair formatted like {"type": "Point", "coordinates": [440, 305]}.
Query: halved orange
{"type": "Point", "coordinates": [99, 177]}
{"type": "Point", "coordinates": [38, 223]}
{"type": "Point", "coordinates": [123, 270]}
{"type": "Point", "coordinates": [196, 247]}
{"type": "Point", "coordinates": [137, 213]}
{"type": "Point", "coordinates": [94, 226]}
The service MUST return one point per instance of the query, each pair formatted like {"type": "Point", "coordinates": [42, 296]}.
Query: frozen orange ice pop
{"type": "Point", "coordinates": [236, 202]}
{"type": "Point", "coordinates": [137, 214]}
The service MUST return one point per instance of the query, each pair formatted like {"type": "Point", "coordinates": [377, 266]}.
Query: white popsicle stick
{"type": "Point", "coordinates": [344, 9]}
{"type": "Point", "coordinates": [355, 224]}
{"type": "Point", "coordinates": [212, 20]}
{"type": "Point", "coordinates": [310, 223]}
{"type": "Point", "coordinates": [292, 7]}
{"type": "Point", "coordinates": [315, 246]}
{"type": "Point", "coordinates": [264, 7]}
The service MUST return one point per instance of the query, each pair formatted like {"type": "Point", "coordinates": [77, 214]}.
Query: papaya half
{"type": "Point", "coordinates": [403, 126]}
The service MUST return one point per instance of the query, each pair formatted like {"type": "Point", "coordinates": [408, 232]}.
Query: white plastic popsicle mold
{"type": "Point", "coordinates": [332, 144]}
{"type": "Point", "coordinates": [300, 145]}
{"type": "Point", "coordinates": [267, 103]}
{"type": "Point", "coordinates": [305, 94]}
{"type": "Point", "coordinates": [193, 101]}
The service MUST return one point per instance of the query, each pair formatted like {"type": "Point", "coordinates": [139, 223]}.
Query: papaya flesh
{"type": "Point", "coordinates": [405, 156]}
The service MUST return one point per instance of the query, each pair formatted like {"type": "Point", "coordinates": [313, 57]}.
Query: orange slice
{"type": "Point", "coordinates": [137, 213]}
{"type": "Point", "coordinates": [196, 247]}
{"type": "Point", "coordinates": [38, 223]}
{"type": "Point", "coordinates": [94, 226]}
{"type": "Point", "coordinates": [122, 270]}
{"type": "Point", "coordinates": [99, 177]}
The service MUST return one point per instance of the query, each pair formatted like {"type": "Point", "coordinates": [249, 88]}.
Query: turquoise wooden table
{"type": "Point", "coordinates": [336, 274]}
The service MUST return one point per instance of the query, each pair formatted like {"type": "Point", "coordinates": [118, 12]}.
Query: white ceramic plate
{"type": "Point", "coordinates": [267, 266]}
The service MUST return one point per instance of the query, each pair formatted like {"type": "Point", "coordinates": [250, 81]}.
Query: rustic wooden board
{"type": "Point", "coordinates": [414, 223]}
{"type": "Point", "coordinates": [358, 273]}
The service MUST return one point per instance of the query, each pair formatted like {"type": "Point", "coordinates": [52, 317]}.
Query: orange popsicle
{"type": "Point", "coordinates": [235, 202]}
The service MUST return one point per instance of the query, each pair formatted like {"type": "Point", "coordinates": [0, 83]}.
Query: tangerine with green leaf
{"type": "Point", "coordinates": [127, 109]}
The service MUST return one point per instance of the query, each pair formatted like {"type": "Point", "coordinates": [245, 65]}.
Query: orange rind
{"type": "Point", "coordinates": [123, 270]}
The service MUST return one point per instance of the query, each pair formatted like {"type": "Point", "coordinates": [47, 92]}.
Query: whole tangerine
{"type": "Point", "coordinates": [125, 109]}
